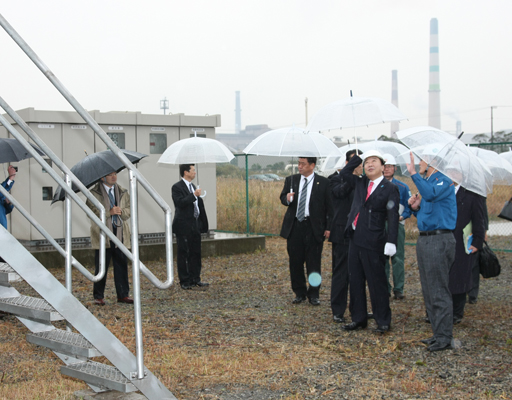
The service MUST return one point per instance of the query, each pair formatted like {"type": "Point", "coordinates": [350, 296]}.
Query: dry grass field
{"type": "Point", "coordinates": [243, 339]}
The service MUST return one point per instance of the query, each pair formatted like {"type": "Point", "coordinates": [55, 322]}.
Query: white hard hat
{"type": "Point", "coordinates": [372, 153]}
{"type": "Point", "coordinates": [390, 160]}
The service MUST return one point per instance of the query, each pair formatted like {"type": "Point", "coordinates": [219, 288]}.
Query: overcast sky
{"type": "Point", "coordinates": [128, 55]}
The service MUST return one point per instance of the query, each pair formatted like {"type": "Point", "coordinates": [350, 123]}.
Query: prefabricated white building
{"type": "Point", "coordinates": [70, 138]}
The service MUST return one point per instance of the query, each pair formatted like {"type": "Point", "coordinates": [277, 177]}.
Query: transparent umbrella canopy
{"type": "Point", "coordinates": [353, 112]}
{"type": "Point", "coordinates": [500, 168]}
{"type": "Point", "coordinates": [196, 150]}
{"type": "Point", "coordinates": [448, 155]}
{"type": "Point", "coordinates": [292, 142]}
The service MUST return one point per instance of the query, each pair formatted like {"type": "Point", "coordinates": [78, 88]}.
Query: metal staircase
{"type": "Point", "coordinates": [57, 303]}
{"type": "Point", "coordinates": [74, 349]}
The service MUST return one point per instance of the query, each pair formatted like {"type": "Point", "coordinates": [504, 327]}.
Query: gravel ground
{"type": "Point", "coordinates": [241, 338]}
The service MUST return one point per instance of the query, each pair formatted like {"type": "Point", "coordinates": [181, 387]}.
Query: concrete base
{"type": "Point", "coordinates": [110, 395]}
{"type": "Point", "coordinates": [220, 244]}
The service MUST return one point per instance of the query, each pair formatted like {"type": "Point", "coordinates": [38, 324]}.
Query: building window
{"type": "Point", "coordinates": [117, 138]}
{"type": "Point", "coordinates": [198, 135]}
{"type": "Point", "coordinates": [157, 143]}
{"type": "Point", "coordinates": [49, 162]}
{"type": "Point", "coordinates": [47, 193]}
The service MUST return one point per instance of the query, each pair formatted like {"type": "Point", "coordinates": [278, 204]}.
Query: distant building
{"type": "Point", "coordinates": [238, 141]}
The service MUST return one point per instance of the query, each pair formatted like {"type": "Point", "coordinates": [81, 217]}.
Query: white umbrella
{"type": "Point", "coordinates": [448, 155]}
{"type": "Point", "coordinates": [292, 142]}
{"type": "Point", "coordinates": [507, 156]}
{"type": "Point", "coordinates": [196, 150]}
{"type": "Point", "coordinates": [331, 163]}
{"type": "Point", "coordinates": [500, 168]}
{"type": "Point", "coordinates": [354, 111]}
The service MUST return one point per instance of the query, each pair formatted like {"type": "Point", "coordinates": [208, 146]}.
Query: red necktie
{"type": "Point", "coordinates": [368, 193]}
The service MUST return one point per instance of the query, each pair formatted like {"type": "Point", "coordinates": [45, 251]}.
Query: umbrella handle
{"type": "Point", "coordinates": [203, 195]}
{"type": "Point", "coordinates": [291, 198]}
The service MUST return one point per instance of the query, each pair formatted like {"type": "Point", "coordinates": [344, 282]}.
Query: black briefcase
{"type": "Point", "coordinates": [488, 262]}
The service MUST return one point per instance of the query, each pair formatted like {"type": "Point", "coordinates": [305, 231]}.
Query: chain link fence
{"type": "Point", "coordinates": [249, 188]}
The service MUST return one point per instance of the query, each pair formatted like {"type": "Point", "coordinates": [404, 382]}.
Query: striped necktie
{"type": "Point", "coordinates": [301, 212]}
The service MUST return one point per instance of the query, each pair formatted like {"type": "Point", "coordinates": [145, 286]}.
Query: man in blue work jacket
{"type": "Point", "coordinates": [436, 212]}
{"type": "Point", "coordinates": [405, 212]}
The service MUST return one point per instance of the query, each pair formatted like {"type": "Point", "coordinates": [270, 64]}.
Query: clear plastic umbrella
{"type": "Point", "coordinates": [354, 111]}
{"type": "Point", "coordinates": [500, 168]}
{"type": "Point", "coordinates": [196, 150]}
{"type": "Point", "coordinates": [507, 156]}
{"type": "Point", "coordinates": [292, 142]}
{"type": "Point", "coordinates": [448, 155]}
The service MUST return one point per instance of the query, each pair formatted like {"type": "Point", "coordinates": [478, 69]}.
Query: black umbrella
{"type": "Point", "coordinates": [11, 151]}
{"type": "Point", "coordinates": [94, 167]}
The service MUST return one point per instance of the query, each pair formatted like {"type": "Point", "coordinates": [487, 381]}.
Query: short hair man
{"type": "Point", "coordinates": [405, 212]}
{"type": "Point", "coordinates": [342, 196]}
{"type": "Point", "coordinates": [305, 226]}
{"type": "Point", "coordinates": [116, 199]}
{"type": "Point", "coordinates": [436, 212]}
{"type": "Point", "coordinates": [189, 222]}
{"type": "Point", "coordinates": [375, 203]}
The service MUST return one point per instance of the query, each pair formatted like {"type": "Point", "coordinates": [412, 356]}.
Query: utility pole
{"type": "Point", "coordinates": [492, 128]}
{"type": "Point", "coordinates": [164, 105]}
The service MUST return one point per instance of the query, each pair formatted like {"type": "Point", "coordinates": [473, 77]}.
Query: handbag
{"type": "Point", "coordinates": [506, 211]}
{"type": "Point", "coordinates": [488, 262]}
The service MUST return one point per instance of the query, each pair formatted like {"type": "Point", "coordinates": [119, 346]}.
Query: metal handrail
{"type": "Point", "coordinates": [61, 182]}
{"type": "Point", "coordinates": [112, 146]}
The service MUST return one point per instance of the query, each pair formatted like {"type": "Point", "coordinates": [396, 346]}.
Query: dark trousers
{"type": "Point", "coordinates": [189, 258]}
{"type": "Point", "coordinates": [303, 248]}
{"type": "Point", "coordinates": [475, 276]}
{"type": "Point", "coordinates": [459, 303]}
{"type": "Point", "coordinates": [339, 285]}
{"type": "Point", "coordinates": [368, 266]}
{"type": "Point", "coordinates": [120, 262]}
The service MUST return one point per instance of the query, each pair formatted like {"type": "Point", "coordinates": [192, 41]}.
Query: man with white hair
{"type": "Point", "coordinates": [375, 203]}
{"type": "Point", "coordinates": [405, 212]}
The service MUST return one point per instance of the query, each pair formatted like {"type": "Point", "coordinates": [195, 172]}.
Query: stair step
{"type": "Point", "coordinates": [30, 307]}
{"type": "Point", "coordinates": [8, 274]}
{"type": "Point", "coordinates": [64, 342]}
{"type": "Point", "coordinates": [101, 375]}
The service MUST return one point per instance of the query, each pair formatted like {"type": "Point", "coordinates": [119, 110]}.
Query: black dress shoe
{"type": "Point", "coordinates": [299, 299]}
{"type": "Point", "coordinates": [472, 301]}
{"type": "Point", "coordinates": [369, 315]}
{"type": "Point", "coordinates": [399, 296]}
{"type": "Point", "coordinates": [439, 347]}
{"type": "Point", "coordinates": [429, 341]}
{"type": "Point", "coordinates": [457, 320]}
{"type": "Point", "coordinates": [354, 326]}
{"type": "Point", "coordinates": [340, 319]}
{"type": "Point", "coordinates": [314, 301]}
{"type": "Point", "coordinates": [202, 284]}
{"type": "Point", "coordinates": [381, 329]}
{"type": "Point", "coordinates": [186, 286]}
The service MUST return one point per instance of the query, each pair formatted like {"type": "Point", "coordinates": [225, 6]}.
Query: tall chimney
{"type": "Point", "coordinates": [434, 89]}
{"type": "Point", "coordinates": [238, 113]}
{"type": "Point", "coordinates": [394, 100]}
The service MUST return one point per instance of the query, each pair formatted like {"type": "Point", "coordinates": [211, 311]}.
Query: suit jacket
{"type": "Point", "coordinates": [470, 208]}
{"type": "Point", "coordinates": [342, 196]}
{"type": "Point", "coordinates": [320, 206]}
{"type": "Point", "coordinates": [184, 221]}
{"type": "Point", "coordinates": [381, 207]}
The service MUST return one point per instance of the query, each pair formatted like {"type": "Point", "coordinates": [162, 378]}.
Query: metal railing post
{"type": "Point", "coordinates": [247, 192]}
{"type": "Point", "coordinates": [136, 275]}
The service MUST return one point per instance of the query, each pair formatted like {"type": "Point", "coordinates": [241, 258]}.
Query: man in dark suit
{"type": "Point", "coordinates": [376, 201]}
{"type": "Point", "coordinates": [189, 222]}
{"type": "Point", "coordinates": [342, 196]}
{"type": "Point", "coordinates": [306, 223]}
